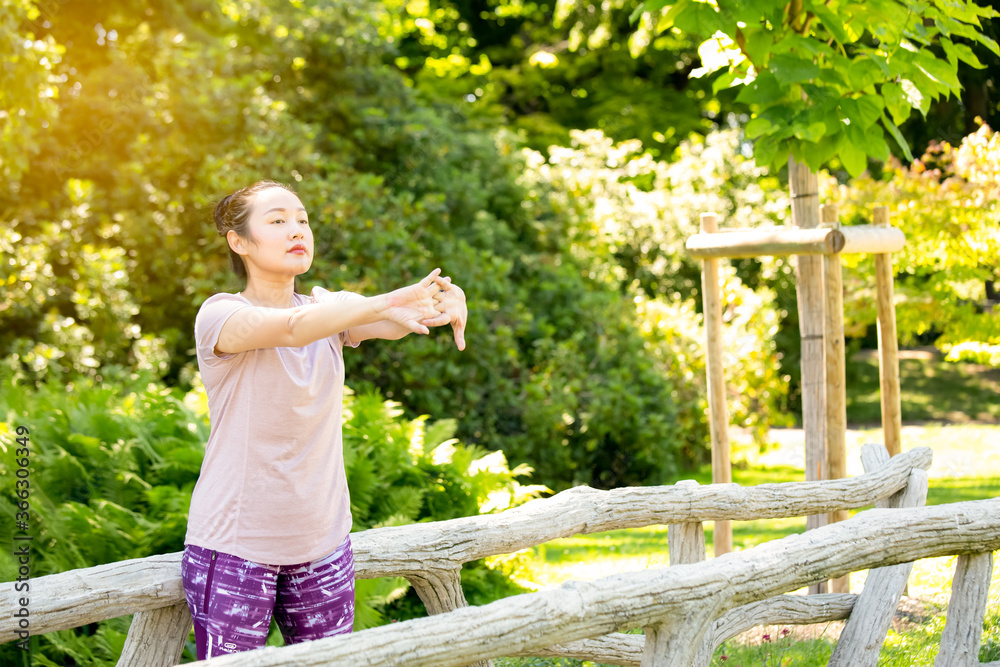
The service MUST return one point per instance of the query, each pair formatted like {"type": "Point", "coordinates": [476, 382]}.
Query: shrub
{"type": "Point", "coordinates": [113, 464]}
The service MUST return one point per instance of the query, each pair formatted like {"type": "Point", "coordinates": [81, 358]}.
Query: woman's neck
{"type": "Point", "coordinates": [270, 294]}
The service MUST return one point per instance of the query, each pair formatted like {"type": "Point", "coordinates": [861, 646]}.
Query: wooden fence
{"type": "Point", "coordinates": [686, 610]}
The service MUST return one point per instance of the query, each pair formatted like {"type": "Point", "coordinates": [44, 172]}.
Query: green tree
{"type": "Point", "coordinates": [830, 79]}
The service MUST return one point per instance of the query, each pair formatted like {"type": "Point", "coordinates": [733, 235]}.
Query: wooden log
{"type": "Point", "coordinates": [773, 242]}
{"type": "Point", "coordinates": [963, 627]}
{"type": "Point", "coordinates": [812, 323]}
{"type": "Point", "coordinates": [613, 649]}
{"type": "Point", "coordinates": [156, 638]}
{"type": "Point", "coordinates": [871, 239]}
{"type": "Point", "coordinates": [888, 345]}
{"type": "Point", "coordinates": [718, 413]}
{"type": "Point", "coordinates": [79, 597]}
{"type": "Point", "coordinates": [861, 641]}
{"type": "Point", "coordinates": [622, 649]}
{"type": "Point", "coordinates": [836, 376]}
{"type": "Point", "coordinates": [686, 541]}
{"type": "Point", "coordinates": [580, 610]}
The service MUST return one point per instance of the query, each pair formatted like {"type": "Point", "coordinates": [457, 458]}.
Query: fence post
{"type": "Point", "coordinates": [156, 638]}
{"type": "Point", "coordinates": [861, 641]}
{"type": "Point", "coordinates": [686, 541]}
{"type": "Point", "coordinates": [718, 415]}
{"type": "Point", "coordinates": [677, 641]}
{"type": "Point", "coordinates": [441, 591]}
{"type": "Point", "coordinates": [963, 627]}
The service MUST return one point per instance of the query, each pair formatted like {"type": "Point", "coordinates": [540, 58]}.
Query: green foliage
{"type": "Point", "coordinates": [946, 203]}
{"type": "Point", "coordinates": [113, 464]}
{"type": "Point", "coordinates": [28, 84]}
{"type": "Point", "coordinates": [550, 67]}
{"type": "Point", "coordinates": [394, 182]}
{"type": "Point", "coordinates": [830, 79]}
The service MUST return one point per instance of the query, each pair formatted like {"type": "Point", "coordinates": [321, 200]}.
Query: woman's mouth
{"type": "Point", "coordinates": [298, 250]}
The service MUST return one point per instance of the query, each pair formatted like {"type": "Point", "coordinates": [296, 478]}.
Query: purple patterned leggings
{"type": "Point", "coordinates": [231, 599]}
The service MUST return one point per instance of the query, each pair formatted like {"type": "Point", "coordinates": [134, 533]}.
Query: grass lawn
{"type": "Point", "coordinates": [966, 467]}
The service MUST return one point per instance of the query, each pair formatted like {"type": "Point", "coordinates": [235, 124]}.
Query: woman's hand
{"type": "Point", "coordinates": [415, 307]}
{"type": "Point", "coordinates": [452, 309]}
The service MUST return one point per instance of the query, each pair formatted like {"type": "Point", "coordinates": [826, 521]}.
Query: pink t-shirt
{"type": "Point", "coordinates": [272, 487]}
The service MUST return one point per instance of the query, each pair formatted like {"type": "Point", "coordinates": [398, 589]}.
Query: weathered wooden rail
{"type": "Point", "coordinates": [686, 609]}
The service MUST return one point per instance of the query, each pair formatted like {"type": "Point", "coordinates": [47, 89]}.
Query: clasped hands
{"type": "Point", "coordinates": [433, 302]}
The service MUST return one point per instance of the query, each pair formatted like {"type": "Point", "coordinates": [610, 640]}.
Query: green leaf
{"type": "Point", "coordinates": [757, 127]}
{"type": "Point", "coordinates": [961, 52]}
{"type": "Point", "coordinates": [898, 136]}
{"type": "Point", "coordinates": [810, 133]}
{"type": "Point", "coordinates": [988, 42]}
{"type": "Point", "coordinates": [831, 22]}
{"type": "Point", "coordinates": [864, 72]}
{"type": "Point", "coordinates": [764, 150]}
{"type": "Point", "coordinates": [896, 102]}
{"type": "Point", "coordinates": [725, 80]}
{"type": "Point", "coordinates": [651, 6]}
{"type": "Point", "coordinates": [789, 69]}
{"type": "Point", "coordinates": [863, 111]}
{"type": "Point", "coordinates": [763, 90]}
{"type": "Point", "coordinates": [938, 70]}
{"type": "Point", "coordinates": [915, 97]}
{"type": "Point", "coordinates": [853, 157]}
{"type": "Point", "coordinates": [875, 143]}
{"type": "Point", "coordinates": [701, 19]}
{"type": "Point", "coordinates": [759, 44]}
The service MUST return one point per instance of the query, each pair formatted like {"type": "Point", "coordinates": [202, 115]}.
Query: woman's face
{"type": "Point", "coordinates": [282, 242]}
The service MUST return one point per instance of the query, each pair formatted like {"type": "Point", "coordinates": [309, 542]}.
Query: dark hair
{"type": "Point", "coordinates": [233, 212]}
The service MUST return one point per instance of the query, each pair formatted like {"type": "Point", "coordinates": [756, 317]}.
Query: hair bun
{"type": "Point", "coordinates": [221, 214]}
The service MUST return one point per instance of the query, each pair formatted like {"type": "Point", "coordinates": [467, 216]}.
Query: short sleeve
{"type": "Point", "coordinates": [209, 322]}
{"type": "Point", "coordinates": [322, 295]}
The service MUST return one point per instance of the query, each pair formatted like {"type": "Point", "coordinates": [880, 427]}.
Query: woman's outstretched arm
{"type": "Point", "coordinates": [258, 327]}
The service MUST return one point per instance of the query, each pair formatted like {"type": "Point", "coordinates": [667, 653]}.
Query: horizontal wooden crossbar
{"type": "Point", "coordinates": [786, 241]}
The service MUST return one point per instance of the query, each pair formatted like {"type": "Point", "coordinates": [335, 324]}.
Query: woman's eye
{"type": "Point", "coordinates": [277, 220]}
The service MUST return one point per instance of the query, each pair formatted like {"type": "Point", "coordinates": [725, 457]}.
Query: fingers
{"type": "Point", "coordinates": [430, 278]}
{"type": "Point", "coordinates": [460, 335]}
{"type": "Point", "coordinates": [417, 327]}
{"type": "Point", "coordinates": [437, 321]}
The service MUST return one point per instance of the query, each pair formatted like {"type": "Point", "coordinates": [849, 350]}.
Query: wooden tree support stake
{"type": "Point", "coordinates": [722, 534]}
{"type": "Point", "coordinates": [836, 376]}
{"type": "Point", "coordinates": [888, 345]}
{"type": "Point", "coordinates": [812, 324]}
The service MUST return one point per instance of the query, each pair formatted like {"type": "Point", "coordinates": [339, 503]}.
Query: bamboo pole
{"type": "Point", "coordinates": [722, 534]}
{"type": "Point", "coordinates": [892, 417]}
{"type": "Point", "coordinates": [836, 377]}
{"type": "Point", "coordinates": [809, 293]}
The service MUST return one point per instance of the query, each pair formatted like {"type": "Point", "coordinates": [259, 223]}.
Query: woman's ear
{"type": "Point", "coordinates": [236, 242]}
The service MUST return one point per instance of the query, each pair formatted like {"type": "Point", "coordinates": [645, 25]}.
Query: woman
{"type": "Point", "coordinates": [270, 514]}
